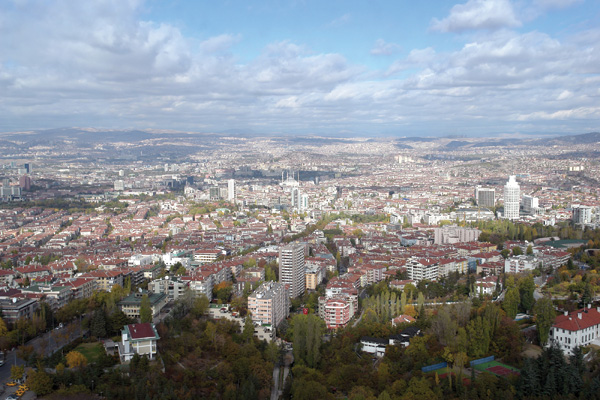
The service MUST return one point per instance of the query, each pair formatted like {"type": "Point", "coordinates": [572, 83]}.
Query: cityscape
{"type": "Point", "coordinates": [299, 200]}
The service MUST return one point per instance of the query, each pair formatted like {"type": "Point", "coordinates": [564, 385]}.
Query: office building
{"type": "Point", "coordinates": [119, 186]}
{"type": "Point", "coordinates": [582, 214]}
{"type": "Point", "coordinates": [512, 197]}
{"type": "Point", "coordinates": [485, 197]}
{"type": "Point", "coordinates": [292, 269]}
{"type": "Point", "coordinates": [269, 304]}
{"type": "Point", "coordinates": [530, 204]}
{"type": "Point", "coordinates": [231, 190]}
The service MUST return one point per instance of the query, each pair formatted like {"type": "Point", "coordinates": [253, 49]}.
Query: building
{"type": "Point", "coordinates": [131, 304]}
{"type": "Point", "coordinates": [582, 214]}
{"type": "Point", "coordinates": [420, 269]}
{"type": "Point", "coordinates": [485, 197]}
{"type": "Point", "coordinates": [574, 329]}
{"type": "Point", "coordinates": [337, 311]}
{"type": "Point", "coordinates": [138, 339]}
{"type": "Point", "coordinates": [512, 194]}
{"type": "Point", "coordinates": [119, 186]}
{"type": "Point", "coordinates": [292, 269]}
{"type": "Point", "coordinates": [269, 304]}
{"type": "Point", "coordinates": [231, 190]}
{"type": "Point", "coordinates": [25, 182]}
{"type": "Point", "coordinates": [450, 234]}
{"type": "Point", "coordinates": [530, 204]}
{"type": "Point", "coordinates": [174, 288]}
{"type": "Point", "coordinates": [13, 309]}
{"type": "Point", "coordinates": [521, 263]}
{"type": "Point", "coordinates": [315, 273]}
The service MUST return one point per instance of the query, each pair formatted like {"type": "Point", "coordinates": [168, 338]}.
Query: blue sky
{"type": "Point", "coordinates": [390, 68]}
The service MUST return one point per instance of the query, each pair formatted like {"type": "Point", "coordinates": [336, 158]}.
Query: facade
{"type": "Point", "coordinates": [578, 328]}
{"type": "Point", "coordinates": [138, 339]}
{"type": "Point", "coordinates": [485, 197]}
{"type": "Point", "coordinates": [530, 204]}
{"type": "Point", "coordinates": [315, 273]}
{"type": "Point", "coordinates": [172, 287]}
{"type": "Point", "coordinates": [130, 305]}
{"type": "Point", "coordinates": [420, 269]}
{"type": "Point", "coordinates": [512, 194]}
{"type": "Point", "coordinates": [582, 215]}
{"type": "Point", "coordinates": [12, 309]}
{"type": "Point", "coordinates": [292, 269]}
{"type": "Point", "coordinates": [522, 263]}
{"type": "Point", "coordinates": [336, 311]}
{"type": "Point", "coordinates": [231, 190]}
{"type": "Point", "coordinates": [269, 304]}
{"type": "Point", "coordinates": [450, 234]}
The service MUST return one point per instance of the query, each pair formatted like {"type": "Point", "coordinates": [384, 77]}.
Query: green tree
{"type": "Point", "coordinates": [98, 324]}
{"type": "Point", "coordinates": [200, 305]}
{"type": "Point", "coordinates": [307, 336]}
{"type": "Point", "coordinates": [544, 317]}
{"type": "Point", "coordinates": [517, 251]}
{"type": "Point", "coordinates": [145, 309]}
{"type": "Point", "coordinates": [248, 330]}
{"type": "Point", "coordinates": [529, 250]}
{"type": "Point", "coordinates": [511, 302]}
{"type": "Point", "coordinates": [526, 289]}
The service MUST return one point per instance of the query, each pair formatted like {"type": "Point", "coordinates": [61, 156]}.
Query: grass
{"type": "Point", "coordinates": [91, 351]}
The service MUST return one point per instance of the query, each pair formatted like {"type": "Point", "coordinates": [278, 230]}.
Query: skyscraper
{"type": "Point", "coordinates": [231, 190]}
{"type": "Point", "coordinates": [512, 193]}
{"type": "Point", "coordinates": [485, 197]}
{"type": "Point", "coordinates": [582, 214]}
{"type": "Point", "coordinates": [292, 269]}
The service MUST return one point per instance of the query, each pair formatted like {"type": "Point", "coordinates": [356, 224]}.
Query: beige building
{"type": "Point", "coordinates": [269, 304]}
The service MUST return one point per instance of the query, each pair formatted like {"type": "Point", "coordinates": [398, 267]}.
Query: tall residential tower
{"type": "Point", "coordinates": [292, 269]}
{"type": "Point", "coordinates": [512, 198]}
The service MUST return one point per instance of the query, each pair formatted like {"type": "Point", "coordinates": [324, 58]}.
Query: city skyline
{"type": "Point", "coordinates": [474, 68]}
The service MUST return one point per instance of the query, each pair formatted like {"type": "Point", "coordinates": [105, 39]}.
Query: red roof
{"type": "Point", "coordinates": [572, 322]}
{"type": "Point", "coordinates": [141, 331]}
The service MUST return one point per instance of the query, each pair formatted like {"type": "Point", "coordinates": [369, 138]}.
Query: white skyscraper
{"type": "Point", "coordinates": [292, 269]}
{"type": "Point", "coordinates": [231, 190]}
{"type": "Point", "coordinates": [512, 197]}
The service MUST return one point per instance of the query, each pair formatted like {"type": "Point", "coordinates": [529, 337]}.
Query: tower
{"type": "Point", "coordinates": [512, 193]}
{"type": "Point", "coordinates": [231, 190]}
{"type": "Point", "coordinates": [292, 269]}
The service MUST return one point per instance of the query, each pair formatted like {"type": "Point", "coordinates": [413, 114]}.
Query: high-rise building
{"type": "Point", "coordinates": [292, 268]}
{"type": "Point", "coordinates": [269, 304]}
{"type": "Point", "coordinates": [25, 182]}
{"type": "Point", "coordinates": [485, 197]}
{"type": "Point", "coordinates": [530, 203]}
{"type": "Point", "coordinates": [231, 190]}
{"type": "Point", "coordinates": [582, 214]}
{"type": "Point", "coordinates": [512, 194]}
{"type": "Point", "coordinates": [119, 185]}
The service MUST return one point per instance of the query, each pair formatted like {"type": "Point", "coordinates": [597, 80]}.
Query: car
{"type": "Point", "coordinates": [12, 397]}
{"type": "Point", "coordinates": [13, 383]}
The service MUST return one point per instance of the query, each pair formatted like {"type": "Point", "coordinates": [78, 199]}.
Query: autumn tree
{"type": "Point", "coordinates": [16, 372]}
{"type": "Point", "coordinates": [526, 289]}
{"type": "Point", "coordinates": [75, 359]}
{"type": "Point", "coordinates": [39, 381]}
{"type": "Point", "coordinates": [307, 336]}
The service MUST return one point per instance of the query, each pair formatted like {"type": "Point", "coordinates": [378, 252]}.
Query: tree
{"type": "Point", "coordinates": [98, 324]}
{"type": "Point", "coordinates": [307, 333]}
{"type": "Point", "coordinates": [526, 289]}
{"type": "Point", "coordinates": [511, 302]}
{"type": "Point", "coordinates": [145, 309]}
{"type": "Point", "coordinates": [39, 381]}
{"type": "Point", "coordinates": [75, 359]}
{"type": "Point", "coordinates": [16, 372]}
{"type": "Point", "coordinates": [248, 330]}
{"type": "Point", "coordinates": [200, 305]}
{"type": "Point", "coordinates": [517, 251]}
{"type": "Point", "coordinates": [3, 328]}
{"type": "Point", "coordinates": [544, 317]}
{"type": "Point", "coordinates": [529, 250]}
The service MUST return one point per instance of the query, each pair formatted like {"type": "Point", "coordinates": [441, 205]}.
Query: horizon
{"type": "Point", "coordinates": [472, 69]}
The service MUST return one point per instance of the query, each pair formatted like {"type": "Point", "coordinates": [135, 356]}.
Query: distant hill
{"type": "Point", "coordinates": [586, 138]}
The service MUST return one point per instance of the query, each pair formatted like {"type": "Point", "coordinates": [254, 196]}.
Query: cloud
{"type": "Point", "coordinates": [340, 21]}
{"type": "Point", "coordinates": [383, 48]}
{"type": "Point", "coordinates": [477, 15]}
{"type": "Point", "coordinates": [219, 43]}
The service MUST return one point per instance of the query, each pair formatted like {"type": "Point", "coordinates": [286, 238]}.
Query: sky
{"type": "Point", "coordinates": [303, 67]}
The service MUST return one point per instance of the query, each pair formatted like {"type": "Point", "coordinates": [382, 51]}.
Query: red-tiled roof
{"type": "Point", "coordinates": [141, 331]}
{"type": "Point", "coordinates": [572, 322]}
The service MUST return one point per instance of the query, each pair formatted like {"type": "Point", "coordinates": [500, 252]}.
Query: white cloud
{"type": "Point", "coordinates": [383, 48]}
{"type": "Point", "coordinates": [219, 43]}
{"type": "Point", "coordinates": [478, 14]}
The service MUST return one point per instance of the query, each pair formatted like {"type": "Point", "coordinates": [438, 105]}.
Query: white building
{"type": "Point", "coordinates": [578, 328]}
{"type": "Point", "coordinates": [119, 185]}
{"type": "Point", "coordinates": [138, 339]}
{"type": "Point", "coordinates": [292, 269]}
{"type": "Point", "coordinates": [512, 193]}
{"type": "Point", "coordinates": [231, 190]}
{"type": "Point", "coordinates": [522, 263]}
{"type": "Point", "coordinates": [450, 234]}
